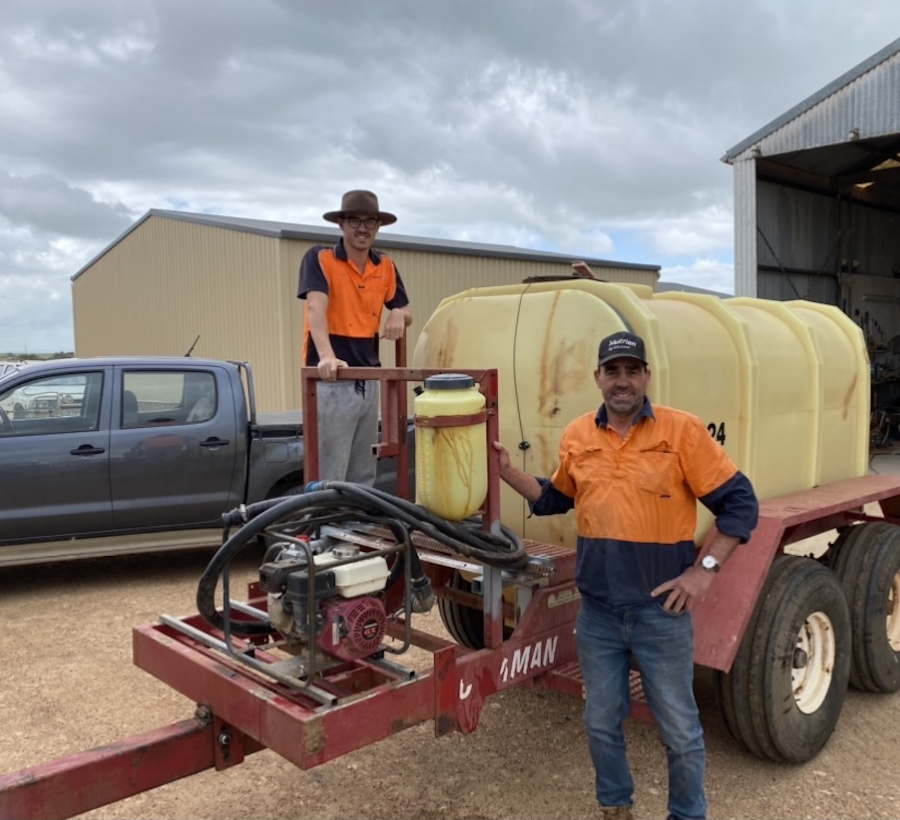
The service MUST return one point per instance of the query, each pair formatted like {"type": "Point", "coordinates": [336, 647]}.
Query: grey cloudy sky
{"type": "Point", "coordinates": [588, 127]}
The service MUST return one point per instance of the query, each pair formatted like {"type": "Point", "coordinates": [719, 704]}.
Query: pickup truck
{"type": "Point", "coordinates": [121, 455]}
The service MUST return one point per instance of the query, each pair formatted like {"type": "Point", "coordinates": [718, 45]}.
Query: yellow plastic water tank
{"type": "Point", "coordinates": [783, 386]}
{"type": "Point", "coordinates": [451, 446]}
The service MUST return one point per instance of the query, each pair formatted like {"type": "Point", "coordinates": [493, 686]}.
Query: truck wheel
{"type": "Point", "coordinates": [464, 623]}
{"type": "Point", "coordinates": [790, 675]}
{"type": "Point", "coordinates": [868, 567]}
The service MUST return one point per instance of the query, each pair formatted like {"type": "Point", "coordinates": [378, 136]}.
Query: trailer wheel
{"type": "Point", "coordinates": [868, 567]}
{"type": "Point", "coordinates": [841, 547]}
{"type": "Point", "coordinates": [464, 623]}
{"type": "Point", "coordinates": [733, 688]}
{"type": "Point", "coordinates": [790, 675]}
{"type": "Point", "coordinates": [725, 699]}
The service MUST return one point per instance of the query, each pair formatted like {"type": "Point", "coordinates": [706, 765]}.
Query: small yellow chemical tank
{"type": "Point", "coordinates": [451, 446]}
{"type": "Point", "coordinates": [782, 386]}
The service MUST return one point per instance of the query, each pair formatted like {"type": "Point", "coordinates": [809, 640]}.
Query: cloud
{"type": "Point", "coordinates": [584, 126]}
{"type": "Point", "coordinates": [47, 204]}
{"type": "Point", "coordinates": [710, 273]}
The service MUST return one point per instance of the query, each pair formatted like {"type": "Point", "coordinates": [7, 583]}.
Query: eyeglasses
{"type": "Point", "coordinates": [370, 222]}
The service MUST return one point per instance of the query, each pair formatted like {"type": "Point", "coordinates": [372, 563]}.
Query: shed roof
{"type": "Point", "coordinates": [291, 230]}
{"type": "Point", "coordinates": [861, 105]}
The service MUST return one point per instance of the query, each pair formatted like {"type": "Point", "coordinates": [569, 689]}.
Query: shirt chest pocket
{"type": "Point", "coordinates": [592, 465]}
{"type": "Point", "coordinates": [658, 472]}
{"type": "Point", "coordinates": [373, 294]}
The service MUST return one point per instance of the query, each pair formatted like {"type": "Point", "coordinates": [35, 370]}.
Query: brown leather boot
{"type": "Point", "coordinates": [616, 813]}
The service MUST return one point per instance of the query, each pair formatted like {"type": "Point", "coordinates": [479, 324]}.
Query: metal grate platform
{"type": "Point", "coordinates": [544, 559]}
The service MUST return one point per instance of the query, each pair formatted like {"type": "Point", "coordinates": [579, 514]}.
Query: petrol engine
{"type": "Point", "coordinates": [336, 605]}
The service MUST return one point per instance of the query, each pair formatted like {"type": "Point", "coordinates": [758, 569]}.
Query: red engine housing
{"type": "Point", "coordinates": [354, 627]}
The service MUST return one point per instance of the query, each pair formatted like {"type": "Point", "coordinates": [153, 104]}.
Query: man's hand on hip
{"type": "Point", "coordinates": [685, 590]}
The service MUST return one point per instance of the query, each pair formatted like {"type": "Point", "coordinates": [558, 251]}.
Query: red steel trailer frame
{"type": "Point", "coordinates": [241, 711]}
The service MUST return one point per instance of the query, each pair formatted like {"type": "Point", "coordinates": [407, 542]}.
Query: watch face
{"type": "Point", "coordinates": [709, 562]}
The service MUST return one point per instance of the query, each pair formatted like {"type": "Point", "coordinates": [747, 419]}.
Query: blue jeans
{"type": "Point", "coordinates": [663, 645]}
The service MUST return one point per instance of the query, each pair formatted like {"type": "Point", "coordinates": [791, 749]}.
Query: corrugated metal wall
{"type": "Point", "coordinates": [798, 230]}
{"type": "Point", "coordinates": [874, 241]}
{"type": "Point", "coordinates": [868, 106]}
{"type": "Point", "coordinates": [809, 235]}
{"type": "Point", "coordinates": [775, 285]}
{"type": "Point", "coordinates": [803, 228]}
{"type": "Point", "coordinates": [169, 280]}
{"type": "Point", "coordinates": [745, 238]}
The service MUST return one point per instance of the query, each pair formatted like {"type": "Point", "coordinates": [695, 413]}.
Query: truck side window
{"type": "Point", "coordinates": [155, 397]}
{"type": "Point", "coordinates": [52, 404]}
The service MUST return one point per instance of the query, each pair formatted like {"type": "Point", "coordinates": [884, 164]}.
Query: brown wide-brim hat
{"type": "Point", "coordinates": [359, 202]}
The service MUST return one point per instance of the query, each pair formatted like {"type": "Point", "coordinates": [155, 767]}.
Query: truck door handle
{"type": "Point", "coordinates": [214, 442]}
{"type": "Point", "coordinates": [87, 450]}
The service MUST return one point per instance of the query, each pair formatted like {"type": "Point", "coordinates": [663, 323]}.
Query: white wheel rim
{"type": "Point", "coordinates": [893, 614]}
{"type": "Point", "coordinates": [813, 663]}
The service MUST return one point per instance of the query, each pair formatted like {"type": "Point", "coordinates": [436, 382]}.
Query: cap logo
{"type": "Point", "coordinates": [622, 343]}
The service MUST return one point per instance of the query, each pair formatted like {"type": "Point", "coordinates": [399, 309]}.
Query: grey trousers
{"type": "Point", "coordinates": [348, 427]}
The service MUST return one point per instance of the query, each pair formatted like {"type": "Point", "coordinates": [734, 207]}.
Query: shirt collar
{"type": "Point", "coordinates": [340, 252]}
{"type": "Point", "coordinates": [646, 412]}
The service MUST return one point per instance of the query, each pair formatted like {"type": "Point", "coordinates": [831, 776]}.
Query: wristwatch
{"type": "Point", "coordinates": [710, 564]}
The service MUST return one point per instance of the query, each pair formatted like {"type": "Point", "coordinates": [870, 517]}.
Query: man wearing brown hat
{"type": "Point", "coordinates": [346, 288]}
{"type": "Point", "coordinates": [634, 472]}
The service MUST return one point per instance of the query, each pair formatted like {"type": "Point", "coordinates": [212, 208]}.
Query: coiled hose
{"type": "Point", "coordinates": [334, 501]}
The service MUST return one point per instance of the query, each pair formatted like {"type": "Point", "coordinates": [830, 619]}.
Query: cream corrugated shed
{"type": "Point", "coordinates": [174, 276]}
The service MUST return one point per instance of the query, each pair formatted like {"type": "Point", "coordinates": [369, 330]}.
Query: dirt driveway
{"type": "Point", "coordinates": [68, 684]}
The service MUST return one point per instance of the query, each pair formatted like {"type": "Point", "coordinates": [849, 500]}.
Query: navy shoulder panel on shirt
{"type": "Point", "coordinates": [312, 277]}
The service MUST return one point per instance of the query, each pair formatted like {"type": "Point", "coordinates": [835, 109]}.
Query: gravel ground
{"type": "Point", "coordinates": [69, 684]}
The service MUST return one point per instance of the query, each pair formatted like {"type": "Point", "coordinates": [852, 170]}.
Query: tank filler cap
{"type": "Point", "coordinates": [449, 381]}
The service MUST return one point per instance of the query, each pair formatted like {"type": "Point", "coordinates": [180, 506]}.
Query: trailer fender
{"type": "Point", "coordinates": [721, 618]}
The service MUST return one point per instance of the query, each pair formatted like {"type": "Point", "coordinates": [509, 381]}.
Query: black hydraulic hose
{"type": "Point", "coordinates": [265, 513]}
{"type": "Point", "coordinates": [246, 512]}
{"type": "Point", "coordinates": [337, 500]}
{"type": "Point", "coordinates": [466, 537]}
{"type": "Point", "coordinates": [258, 517]}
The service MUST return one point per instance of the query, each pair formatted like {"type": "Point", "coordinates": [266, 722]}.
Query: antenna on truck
{"type": "Point", "coordinates": [188, 354]}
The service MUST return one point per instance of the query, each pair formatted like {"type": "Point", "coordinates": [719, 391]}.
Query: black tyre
{"type": "Point", "coordinates": [868, 567]}
{"type": "Point", "coordinates": [464, 623]}
{"type": "Point", "coordinates": [840, 548]}
{"type": "Point", "coordinates": [734, 688]}
{"type": "Point", "coordinates": [790, 675]}
{"type": "Point", "coordinates": [725, 698]}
